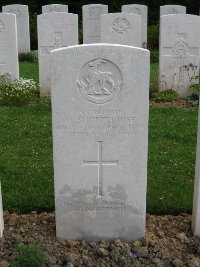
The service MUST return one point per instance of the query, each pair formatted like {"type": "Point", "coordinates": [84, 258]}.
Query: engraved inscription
{"type": "Point", "coordinates": [180, 55]}
{"type": "Point", "coordinates": [2, 26]}
{"type": "Point", "coordinates": [99, 81]}
{"type": "Point", "coordinates": [58, 39]}
{"type": "Point", "coordinates": [121, 26]}
{"type": "Point", "coordinates": [173, 11]}
{"type": "Point", "coordinates": [16, 12]}
{"type": "Point", "coordinates": [135, 10]}
{"type": "Point", "coordinates": [95, 13]}
{"type": "Point", "coordinates": [100, 163]}
{"type": "Point", "coordinates": [54, 9]}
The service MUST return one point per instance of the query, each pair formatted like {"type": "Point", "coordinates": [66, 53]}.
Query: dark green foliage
{"type": "Point", "coordinates": [153, 37]}
{"type": "Point", "coordinates": [28, 57]}
{"type": "Point", "coordinates": [154, 56]}
{"type": "Point", "coordinates": [29, 255]}
{"type": "Point", "coordinates": [165, 96]}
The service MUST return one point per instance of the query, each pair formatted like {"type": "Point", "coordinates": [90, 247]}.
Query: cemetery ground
{"type": "Point", "coordinates": [28, 192]}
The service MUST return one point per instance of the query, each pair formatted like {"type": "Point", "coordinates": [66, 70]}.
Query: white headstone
{"type": "Point", "coordinates": [179, 52]}
{"type": "Point", "coordinates": [8, 45]}
{"type": "Point", "coordinates": [92, 22]}
{"type": "Point", "coordinates": [23, 32]}
{"type": "Point", "coordinates": [121, 28]}
{"type": "Point", "coordinates": [172, 9]}
{"type": "Point", "coordinates": [55, 30]}
{"type": "Point", "coordinates": [143, 11]}
{"type": "Point", "coordinates": [1, 215]}
{"type": "Point", "coordinates": [54, 8]}
{"type": "Point", "coordinates": [100, 140]}
{"type": "Point", "coordinates": [196, 197]}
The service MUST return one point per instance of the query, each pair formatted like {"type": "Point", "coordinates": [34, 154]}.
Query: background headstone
{"type": "Point", "coordinates": [179, 52]}
{"type": "Point", "coordinates": [23, 32]}
{"type": "Point", "coordinates": [172, 9]}
{"type": "Point", "coordinates": [196, 197]}
{"type": "Point", "coordinates": [121, 28]}
{"type": "Point", "coordinates": [8, 45]}
{"type": "Point", "coordinates": [100, 139]}
{"type": "Point", "coordinates": [1, 215]}
{"type": "Point", "coordinates": [54, 8]}
{"type": "Point", "coordinates": [92, 22]}
{"type": "Point", "coordinates": [143, 11]}
{"type": "Point", "coordinates": [55, 30]}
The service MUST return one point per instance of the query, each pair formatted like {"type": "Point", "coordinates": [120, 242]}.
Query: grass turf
{"type": "Point", "coordinates": [27, 168]}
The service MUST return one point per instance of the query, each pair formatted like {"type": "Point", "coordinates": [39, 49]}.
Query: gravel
{"type": "Point", "coordinates": [168, 242]}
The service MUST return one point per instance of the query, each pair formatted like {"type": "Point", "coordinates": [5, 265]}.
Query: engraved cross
{"type": "Point", "coordinates": [100, 163]}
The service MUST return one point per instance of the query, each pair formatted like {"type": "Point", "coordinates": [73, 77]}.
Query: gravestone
{"type": "Point", "coordinates": [179, 52]}
{"type": "Point", "coordinates": [54, 8]}
{"type": "Point", "coordinates": [121, 28]}
{"type": "Point", "coordinates": [143, 11]}
{"type": "Point", "coordinates": [23, 32]}
{"type": "Point", "coordinates": [1, 215]}
{"type": "Point", "coordinates": [55, 30]}
{"type": "Point", "coordinates": [8, 45]}
{"type": "Point", "coordinates": [172, 9]}
{"type": "Point", "coordinates": [92, 22]}
{"type": "Point", "coordinates": [100, 140]}
{"type": "Point", "coordinates": [196, 197]}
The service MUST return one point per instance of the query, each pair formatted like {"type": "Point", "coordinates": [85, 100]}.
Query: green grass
{"type": "Point", "coordinates": [29, 71]}
{"type": "Point", "coordinates": [27, 168]}
{"type": "Point", "coordinates": [26, 164]}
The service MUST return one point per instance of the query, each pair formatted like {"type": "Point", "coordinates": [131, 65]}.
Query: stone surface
{"type": "Point", "coordinates": [196, 196]}
{"type": "Point", "coordinates": [92, 22]}
{"type": "Point", "coordinates": [143, 11]}
{"type": "Point", "coordinates": [100, 139]}
{"type": "Point", "coordinates": [54, 8]}
{"type": "Point", "coordinates": [179, 52]}
{"type": "Point", "coordinates": [8, 45]}
{"type": "Point", "coordinates": [172, 9]}
{"type": "Point", "coordinates": [55, 30]}
{"type": "Point", "coordinates": [1, 215]}
{"type": "Point", "coordinates": [121, 28]}
{"type": "Point", "coordinates": [23, 32]}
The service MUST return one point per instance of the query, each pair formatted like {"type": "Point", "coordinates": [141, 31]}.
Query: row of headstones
{"type": "Point", "coordinates": [100, 112]}
{"type": "Point", "coordinates": [91, 17]}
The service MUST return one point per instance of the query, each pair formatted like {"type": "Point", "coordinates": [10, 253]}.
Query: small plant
{"type": "Point", "coordinates": [30, 255]}
{"type": "Point", "coordinates": [29, 56]}
{"type": "Point", "coordinates": [128, 258]}
{"type": "Point", "coordinates": [194, 97]}
{"type": "Point", "coordinates": [165, 96]}
{"type": "Point", "coordinates": [18, 92]}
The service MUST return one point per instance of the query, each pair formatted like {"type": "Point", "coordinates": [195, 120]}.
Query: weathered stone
{"type": "Point", "coordinates": [121, 28]}
{"type": "Point", "coordinates": [8, 45]}
{"type": "Point", "coordinates": [23, 32]}
{"type": "Point", "coordinates": [100, 129]}
{"type": "Point", "coordinates": [179, 52]}
{"type": "Point", "coordinates": [92, 22]}
{"type": "Point", "coordinates": [143, 11]}
{"type": "Point", "coordinates": [172, 9]}
{"type": "Point", "coordinates": [54, 8]}
{"type": "Point", "coordinates": [55, 30]}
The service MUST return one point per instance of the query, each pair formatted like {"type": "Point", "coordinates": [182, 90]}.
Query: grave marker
{"type": "Point", "coordinates": [8, 45]}
{"type": "Point", "coordinates": [100, 140]}
{"type": "Point", "coordinates": [179, 52]}
{"type": "Point", "coordinates": [55, 30]}
{"type": "Point", "coordinates": [23, 32]}
{"type": "Point", "coordinates": [121, 28]}
{"type": "Point", "coordinates": [92, 22]}
{"type": "Point", "coordinates": [172, 9]}
{"type": "Point", "coordinates": [54, 8]}
{"type": "Point", "coordinates": [143, 11]}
